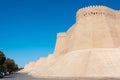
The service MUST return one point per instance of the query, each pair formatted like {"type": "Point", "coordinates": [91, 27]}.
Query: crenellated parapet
{"type": "Point", "coordinates": [95, 11]}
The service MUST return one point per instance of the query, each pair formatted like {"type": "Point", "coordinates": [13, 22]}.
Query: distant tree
{"type": "Point", "coordinates": [10, 65]}
{"type": "Point", "coordinates": [7, 64]}
{"type": "Point", "coordinates": [3, 67]}
{"type": "Point", "coordinates": [2, 58]}
{"type": "Point", "coordinates": [16, 67]}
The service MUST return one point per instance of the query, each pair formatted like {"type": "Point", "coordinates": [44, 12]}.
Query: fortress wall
{"type": "Point", "coordinates": [70, 30]}
{"type": "Point", "coordinates": [60, 43]}
{"type": "Point", "coordinates": [28, 67]}
{"type": "Point", "coordinates": [84, 63]}
{"type": "Point", "coordinates": [94, 28]}
{"type": "Point", "coordinates": [94, 31]}
{"type": "Point", "coordinates": [89, 48]}
{"type": "Point", "coordinates": [112, 21]}
{"type": "Point", "coordinates": [70, 38]}
{"type": "Point", "coordinates": [40, 64]}
{"type": "Point", "coordinates": [118, 14]}
{"type": "Point", "coordinates": [77, 39]}
{"type": "Point", "coordinates": [117, 26]}
{"type": "Point", "coordinates": [89, 21]}
{"type": "Point", "coordinates": [40, 61]}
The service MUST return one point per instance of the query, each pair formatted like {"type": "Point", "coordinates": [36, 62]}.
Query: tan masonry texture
{"type": "Point", "coordinates": [90, 48]}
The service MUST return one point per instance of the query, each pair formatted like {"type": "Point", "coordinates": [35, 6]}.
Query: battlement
{"type": "Point", "coordinates": [61, 34]}
{"type": "Point", "coordinates": [96, 10]}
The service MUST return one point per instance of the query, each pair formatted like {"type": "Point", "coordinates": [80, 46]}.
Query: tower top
{"type": "Point", "coordinates": [95, 10]}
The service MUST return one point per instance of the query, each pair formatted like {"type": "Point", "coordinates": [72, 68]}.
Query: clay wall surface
{"type": "Point", "coordinates": [94, 28]}
{"type": "Point", "coordinates": [90, 48]}
{"type": "Point", "coordinates": [60, 43]}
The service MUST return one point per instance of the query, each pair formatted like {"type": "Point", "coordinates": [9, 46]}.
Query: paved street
{"type": "Point", "coordinates": [18, 76]}
{"type": "Point", "coordinates": [21, 76]}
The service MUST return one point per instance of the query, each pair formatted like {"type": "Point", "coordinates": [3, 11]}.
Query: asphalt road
{"type": "Point", "coordinates": [21, 76]}
{"type": "Point", "coordinates": [18, 76]}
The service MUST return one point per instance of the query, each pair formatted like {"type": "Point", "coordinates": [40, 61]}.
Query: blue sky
{"type": "Point", "coordinates": [28, 28]}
